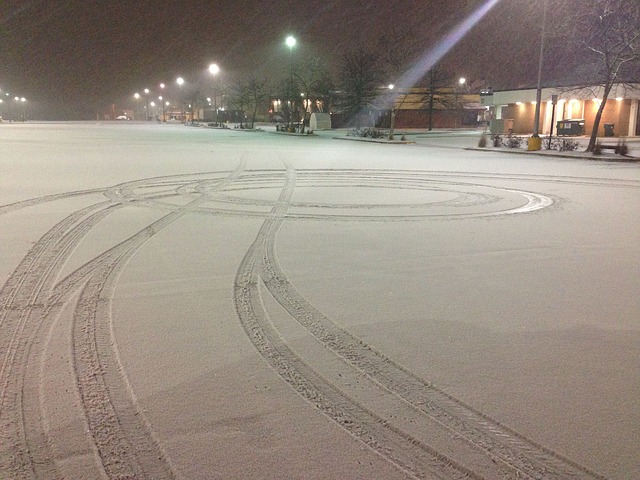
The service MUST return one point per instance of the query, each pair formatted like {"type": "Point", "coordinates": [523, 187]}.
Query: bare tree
{"type": "Point", "coordinates": [398, 50]}
{"type": "Point", "coordinates": [286, 89]}
{"type": "Point", "coordinates": [256, 93]}
{"type": "Point", "coordinates": [240, 97]}
{"type": "Point", "coordinates": [436, 80]}
{"type": "Point", "coordinates": [316, 84]}
{"type": "Point", "coordinates": [611, 32]}
{"type": "Point", "coordinates": [360, 80]}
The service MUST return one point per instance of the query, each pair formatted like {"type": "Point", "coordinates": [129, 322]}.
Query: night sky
{"type": "Point", "coordinates": [71, 56]}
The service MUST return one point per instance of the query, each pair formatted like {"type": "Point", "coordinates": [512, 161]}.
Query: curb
{"type": "Point", "coordinates": [619, 158]}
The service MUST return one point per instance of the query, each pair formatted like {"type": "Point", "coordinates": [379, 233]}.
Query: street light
{"type": "Point", "coordinates": [146, 92]}
{"type": "Point", "coordinates": [164, 119]}
{"type": "Point", "coordinates": [392, 119]}
{"type": "Point", "coordinates": [162, 102]}
{"type": "Point", "coordinates": [180, 82]}
{"type": "Point", "coordinates": [17, 100]}
{"type": "Point", "coordinates": [534, 142]}
{"type": "Point", "coordinates": [214, 69]}
{"type": "Point", "coordinates": [462, 82]}
{"type": "Point", "coordinates": [137, 110]}
{"type": "Point", "coordinates": [291, 42]}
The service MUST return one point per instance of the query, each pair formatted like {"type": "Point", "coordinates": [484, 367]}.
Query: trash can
{"type": "Point", "coordinates": [608, 129]}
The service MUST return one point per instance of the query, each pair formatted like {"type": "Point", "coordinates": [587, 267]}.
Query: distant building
{"type": "Point", "coordinates": [447, 107]}
{"type": "Point", "coordinates": [513, 110]}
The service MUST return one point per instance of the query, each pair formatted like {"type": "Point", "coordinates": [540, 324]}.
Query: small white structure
{"type": "Point", "coordinates": [320, 121]}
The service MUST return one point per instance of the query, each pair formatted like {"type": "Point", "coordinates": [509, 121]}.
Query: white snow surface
{"type": "Point", "coordinates": [254, 305]}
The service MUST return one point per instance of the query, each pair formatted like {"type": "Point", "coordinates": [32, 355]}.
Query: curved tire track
{"type": "Point", "coordinates": [458, 426]}
{"type": "Point", "coordinates": [30, 301]}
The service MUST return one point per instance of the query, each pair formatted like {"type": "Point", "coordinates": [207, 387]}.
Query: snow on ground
{"type": "Point", "coordinates": [197, 303]}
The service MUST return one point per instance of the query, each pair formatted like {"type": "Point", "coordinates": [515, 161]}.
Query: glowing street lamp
{"type": "Point", "coordinates": [137, 110]}
{"type": "Point", "coordinates": [22, 100]}
{"type": "Point", "coordinates": [180, 82]}
{"type": "Point", "coordinates": [291, 42]}
{"type": "Point", "coordinates": [162, 102]}
{"type": "Point", "coordinates": [162, 85]}
{"type": "Point", "coordinates": [214, 70]}
{"type": "Point", "coordinates": [462, 82]}
{"type": "Point", "coordinates": [146, 92]}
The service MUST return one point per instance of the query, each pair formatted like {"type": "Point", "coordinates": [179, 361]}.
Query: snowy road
{"type": "Point", "coordinates": [193, 303]}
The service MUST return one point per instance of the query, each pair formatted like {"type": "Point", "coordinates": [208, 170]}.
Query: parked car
{"type": "Point", "coordinates": [122, 117]}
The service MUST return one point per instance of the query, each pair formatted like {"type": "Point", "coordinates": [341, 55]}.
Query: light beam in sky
{"type": "Point", "coordinates": [432, 56]}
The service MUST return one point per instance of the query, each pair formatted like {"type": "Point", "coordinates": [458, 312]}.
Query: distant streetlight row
{"type": "Point", "coordinates": [150, 103]}
{"type": "Point", "coordinates": [214, 70]}
{"type": "Point", "coordinates": [19, 100]}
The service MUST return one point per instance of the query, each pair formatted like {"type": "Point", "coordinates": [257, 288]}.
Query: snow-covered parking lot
{"type": "Point", "coordinates": [197, 303]}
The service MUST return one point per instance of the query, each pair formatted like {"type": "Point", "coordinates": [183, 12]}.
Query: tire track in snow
{"type": "Point", "coordinates": [29, 303]}
{"type": "Point", "coordinates": [124, 439]}
{"type": "Point", "coordinates": [444, 421]}
{"type": "Point", "coordinates": [523, 456]}
{"type": "Point", "coordinates": [411, 455]}
{"type": "Point", "coordinates": [24, 299]}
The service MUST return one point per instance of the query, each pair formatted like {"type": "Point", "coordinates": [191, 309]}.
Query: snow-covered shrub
{"type": "Point", "coordinates": [561, 144]}
{"type": "Point", "coordinates": [512, 141]}
{"type": "Point", "coordinates": [597, 149]}
{"type": "Point", "coordinates": [367, 133]}
{"type": "Point", "coordinates": [622, 148]}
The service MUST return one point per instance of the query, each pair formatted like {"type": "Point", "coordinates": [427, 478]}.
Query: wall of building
{"type": "Point", "coordinates": [516, 108]}
{"type": "Point", "coordinates": [617, 112]}
{"type": "Point", "coordinates": [440, 119]}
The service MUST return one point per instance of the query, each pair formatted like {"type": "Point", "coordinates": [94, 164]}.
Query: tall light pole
{"type": "Point", "coordinates": [137, 110]}
{"type": "Point", "coordinates": [462, 81]}
{"type": "Point", "coordinates": [534, 142]}
{"type": "Point", "coordinates": [392, 119]}
{"type": "Point", "coordinates": [180, 82]}
{"type": "Point", "coordinates": [146, 93]}
{"type": "Point", "coordinates": [162, 90]}
{"type": "Point", "coordinates": [214, 69]}
{"type": "Point", "coordinates": [291, 42]}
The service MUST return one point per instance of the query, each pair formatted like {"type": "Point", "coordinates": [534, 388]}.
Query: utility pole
{"type": "Point", "coordinates": [534, 141]}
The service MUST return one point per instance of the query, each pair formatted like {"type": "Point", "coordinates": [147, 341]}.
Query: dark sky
{"type": "Point", "coordinates": [88, 53]}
